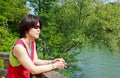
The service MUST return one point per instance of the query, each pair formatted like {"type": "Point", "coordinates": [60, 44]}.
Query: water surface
{"type": "Point", "coordinates": [97, 63]}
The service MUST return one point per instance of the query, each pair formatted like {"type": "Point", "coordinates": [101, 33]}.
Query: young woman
{"type": "Point", "coordinates": [23, 58]}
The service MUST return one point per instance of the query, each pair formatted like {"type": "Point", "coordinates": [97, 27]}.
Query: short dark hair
{"type": "Point", "coordinates": [28, 21]}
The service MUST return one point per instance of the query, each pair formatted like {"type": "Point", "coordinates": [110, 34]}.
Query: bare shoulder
{"type": "Point", "coordinates": [19, 50]}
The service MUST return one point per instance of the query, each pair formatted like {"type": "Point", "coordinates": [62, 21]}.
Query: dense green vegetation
{"type": "Point", "coordinates": [11, 12]}
{"type": "Point", "coordinates": [66, 24]}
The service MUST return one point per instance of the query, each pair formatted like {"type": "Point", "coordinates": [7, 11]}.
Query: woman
{"type": "Point", "coordinates": [23, 58]}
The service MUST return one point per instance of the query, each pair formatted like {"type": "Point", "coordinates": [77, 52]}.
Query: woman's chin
{"type": "Point", "coordinates": [37, 37]}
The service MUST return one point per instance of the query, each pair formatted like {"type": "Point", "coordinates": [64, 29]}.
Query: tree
{"type": "Point", "coordinates": [11, 12]}
{"type": "Point", "coordinates": [90, 21]}
{"type": "Point", "coordinates": [76, 23]}
{"type": "Point", "coordinates": [6, 40]}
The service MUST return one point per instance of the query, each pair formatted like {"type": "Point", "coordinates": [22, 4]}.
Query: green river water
{"type": "Point", "coordinates": [97, 63]}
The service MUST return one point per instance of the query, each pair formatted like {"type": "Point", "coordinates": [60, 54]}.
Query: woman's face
{"type": "Point", "coordinates": [34, 32]}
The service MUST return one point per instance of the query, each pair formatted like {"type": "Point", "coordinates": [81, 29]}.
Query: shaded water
{"type": "Point", "coordinates": [97, 63]}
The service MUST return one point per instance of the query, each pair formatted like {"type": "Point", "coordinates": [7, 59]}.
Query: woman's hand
{"type": "Point", "coordinates": [59, 63]}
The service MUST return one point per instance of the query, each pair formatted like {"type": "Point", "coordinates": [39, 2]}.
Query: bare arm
{"type": "Point", "coordinates": [39, 61]}
{"type": "Point", "coordinates": [45, 62]}
{"type": "Point", "coordinates": [20, 52]}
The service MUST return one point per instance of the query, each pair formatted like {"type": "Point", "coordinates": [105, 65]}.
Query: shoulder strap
{"type": "Point", "coordinates": [33, 48]}
{"type": "Point", "coordinates": [21, 42]}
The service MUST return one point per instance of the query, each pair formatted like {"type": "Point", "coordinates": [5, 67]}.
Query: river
{"type": "Point", "coordinates": [97, 63]}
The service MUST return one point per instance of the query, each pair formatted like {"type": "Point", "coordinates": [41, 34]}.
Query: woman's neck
{"type": "Point", "coordinates": [28, 41]}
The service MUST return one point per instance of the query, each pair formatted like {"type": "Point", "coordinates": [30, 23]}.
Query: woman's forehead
{"type": "Point", "coordinates": [38, 24]}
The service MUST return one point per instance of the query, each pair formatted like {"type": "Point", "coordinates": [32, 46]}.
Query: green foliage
{"type": "Point", "coordinates": [1, 64]}
{"type": "Point", "coordinates": [11, 12]}
{"type": "Point", "coordinates": [90, 21]}
{"type": "Point", "coordinates": [76, 23]}
{"type": "Point", "coordinates": [2, 20]}
{"type": "Point", "coordinates": [6, 40]}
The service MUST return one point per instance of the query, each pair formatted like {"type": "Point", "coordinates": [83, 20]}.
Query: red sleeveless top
{"type": "Point", "coordinates": [20, 71]}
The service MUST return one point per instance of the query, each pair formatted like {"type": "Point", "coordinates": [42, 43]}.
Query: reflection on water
{"type": "Point", "coordinates": [97, 63]}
